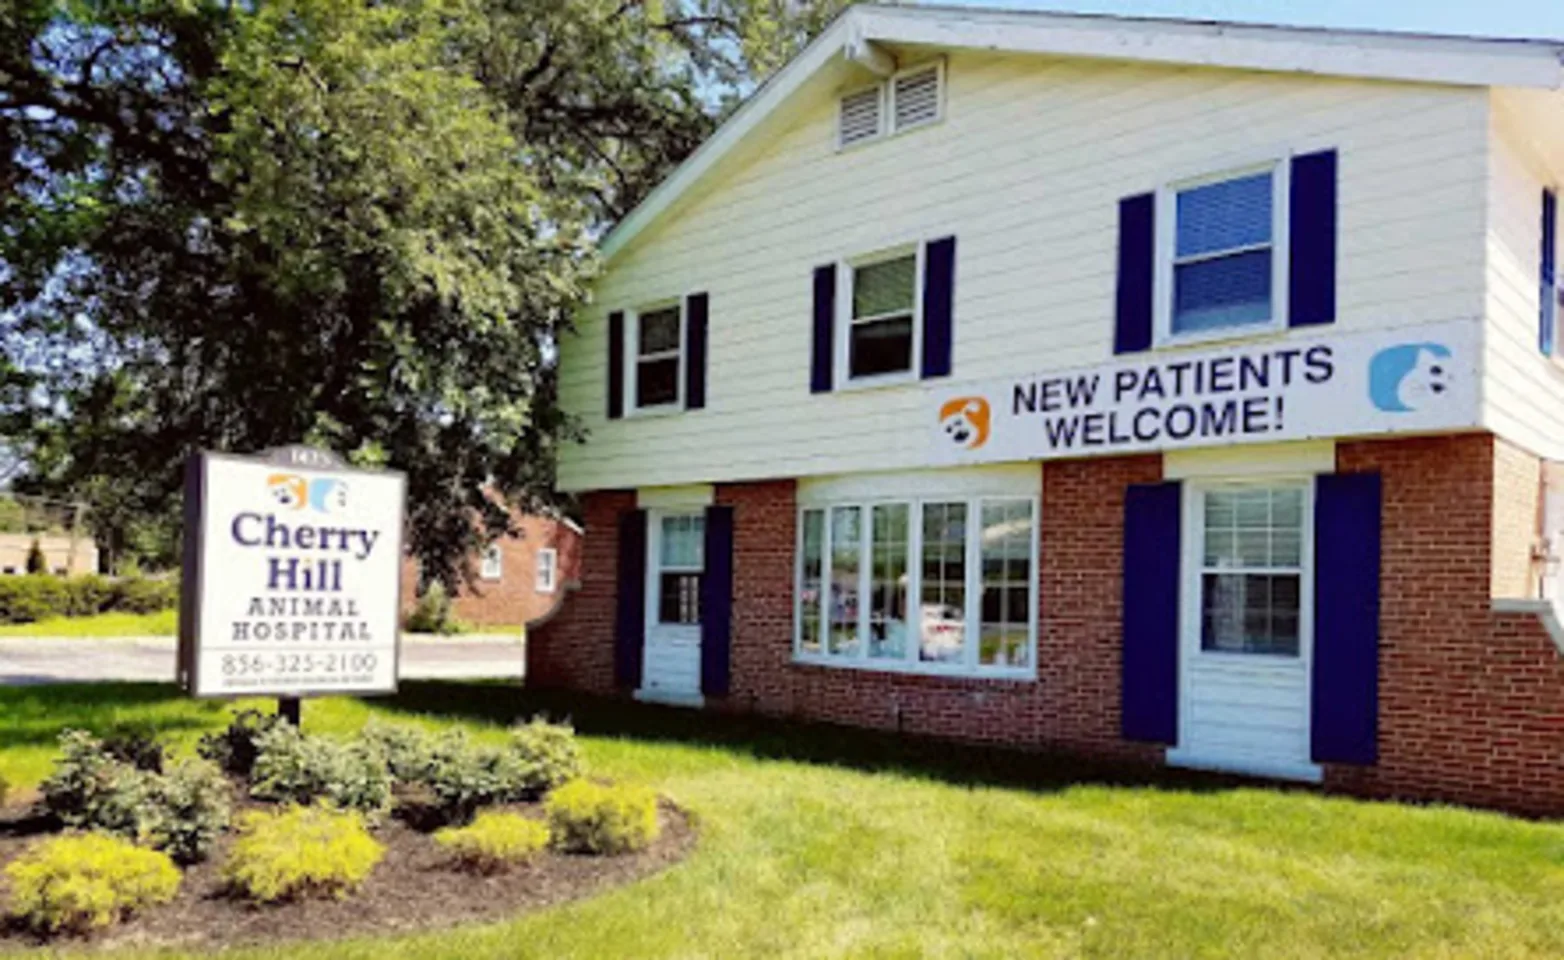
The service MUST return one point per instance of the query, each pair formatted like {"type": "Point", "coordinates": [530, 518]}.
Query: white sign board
{"type": "Point", "coordinates": [1392, 381]}
{"type": "Point", "coordinates": [292, 576]}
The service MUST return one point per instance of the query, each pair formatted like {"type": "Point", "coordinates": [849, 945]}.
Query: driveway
{"type": "Point", "coordinates": [34, 660]}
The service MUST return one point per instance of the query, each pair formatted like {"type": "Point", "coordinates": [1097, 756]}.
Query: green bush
{"type": "Point", "coordinates": [407, 749]}
{"type": "Point", "coordinates": [551, 754]}
{"type": "Point", "coordinates": [88, 595]}
{"type": "Point", "coordinates": [587, 817]}
{"type": "Point", "coordinates": [78, 882]}
{"type": "Point", "coordinates": [137, 745]}
{"type": "Point", "coordinates": [234, 748]}
{"type": "Point", "coordinates": [295, 768]}
{"type": "Point", "coordinates": [145, 594]}
{"type": "Point", "coordinates": [90, 790]}
{"type": "Point", "coordinates": [431, 613]}
{"type": "Point", "coordinates": [301, 852]}
{"type": "Point", "coordinates": [194, 807]}
{"type": "Point", "coordinates": [40, 596]}
{"type": "Point", "coordinates": [31, 598]}
{"type": "Point", "coordinates": [494, 842]}
{"type": "Point", "coordinates": [5, 789]}
{"type": "Point", "coordinates": [36, 561]}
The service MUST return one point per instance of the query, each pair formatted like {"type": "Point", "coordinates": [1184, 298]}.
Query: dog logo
{"type": "Point", "coordinates": [965, 420]}
{"type": "Point", "coordinates": [288, 490]}
{"type": "Point", "coordinates": [1410, 376]}
{"type": "Point", "coordinates": [328, 495]}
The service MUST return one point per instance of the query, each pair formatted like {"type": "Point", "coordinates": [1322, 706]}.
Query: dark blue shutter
{"type": "Point", "coordinates": [939, 287]}
{"type": "Point", "coordinates": [824, 329]}
{"type": "Point", "coordinates": [1547, 322]}
{"type": "Point", "coordinates": [630, 619]}
{"type": "Point", "coordinates": [695, 314]}
{"type": "Point", "coordinates": [1149, 710]}
{"type": "Point", "coordinates": [1137, 271]}
{"type": "Point", "coordinates": [1344, 689]}
{"type": "Point", "coordinates": [616, 365]}
{"type": "Point", "coordinates": [1311, 276]}
{"type": "Point", "coordinates": [717, 603]}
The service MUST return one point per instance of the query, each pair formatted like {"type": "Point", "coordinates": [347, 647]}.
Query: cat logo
{"type": "Point", "coordinates": [965, 420]}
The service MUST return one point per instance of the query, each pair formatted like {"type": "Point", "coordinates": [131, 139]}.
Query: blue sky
{"type": "Point", "coordinates": [1495, 18]}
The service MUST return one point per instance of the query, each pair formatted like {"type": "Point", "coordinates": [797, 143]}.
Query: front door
{"type": "Point", "coordinates": [675, 565]}
{"type": "Point", "coordinates": [1246, 629]}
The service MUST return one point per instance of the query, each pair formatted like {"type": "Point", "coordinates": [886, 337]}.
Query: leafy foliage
{"type": "Point", "coordinates": [493, 842]}
{"type": "Point", "coordinates": [294, 768]}
{"type": "Point", "coordinates": [194, 807]}
{"type": "Point", "coordinates": [235, 748]}
{"type": "Point", "coordinates": [431, 613]}
{"type": "Point", "coordinates": [78, 882]}
{"type": "Point", "coordinates": [301, 852]}
{"type": "Point", "coordinates": [588, 817]}
{"type": "Point", "coordinates": [28, 599]}
{"type": "Point", "coordinates": [89, 789]}
{"type": "Point", "coordinates": [551, 754]}
{"type": "Point", "coordinates": [37, 563]}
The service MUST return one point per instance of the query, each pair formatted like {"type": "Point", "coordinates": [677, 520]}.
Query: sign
{"type": "Point", "coordinates": [1391, 381]}
{"type": "Point", "coordinates": [292, 576]}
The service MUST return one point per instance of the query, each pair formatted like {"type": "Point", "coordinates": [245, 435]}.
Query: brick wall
{"type": "Point", "coordinates": [511, 599]}
{"type": "Point", "coordinates": [574, 649]}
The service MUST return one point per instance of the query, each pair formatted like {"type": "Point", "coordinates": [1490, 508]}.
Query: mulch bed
{"type": "Point", "coordinates": [414, 887]}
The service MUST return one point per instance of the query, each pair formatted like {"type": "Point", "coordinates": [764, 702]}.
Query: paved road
{"type": "Point", "coordinates": [61, 660]}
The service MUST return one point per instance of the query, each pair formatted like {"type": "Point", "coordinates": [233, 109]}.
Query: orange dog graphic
{"type": "Point", "coordinates": [288, 490]}
{"type": "Point", "coordinates": [965, 421]}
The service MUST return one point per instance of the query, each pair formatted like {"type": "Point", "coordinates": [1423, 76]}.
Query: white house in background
{"type": "Point", "coordinates": [1165, 391]}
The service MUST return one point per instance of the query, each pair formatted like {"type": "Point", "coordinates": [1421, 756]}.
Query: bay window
{"type": "Point", "coordinates": [935, 585]}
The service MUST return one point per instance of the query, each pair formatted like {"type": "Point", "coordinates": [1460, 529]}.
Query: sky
{"type": "Point", "coordinates": [1493, 18]}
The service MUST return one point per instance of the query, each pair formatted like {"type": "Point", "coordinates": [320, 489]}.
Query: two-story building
{"type": "Point", "coordinates": [1171, 392]}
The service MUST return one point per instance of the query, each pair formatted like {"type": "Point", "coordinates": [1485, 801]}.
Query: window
{"type": "Point", "coordinates": [881, 332]}
{"type": "Point", "coordinates": [1251, 571]}
{"type": "Point", "coordinates": [547, 568]}
{"type": "Point", "coordinates": [910, 99]}
{"type": "Point", "coordinates": [493, 562]}
{"type": "Point", "coordinates": [681, 564]}
{"type": "Point", "coordinates": [659, 357]}
{"type": "Point", "coordinates": [939, 585]}
{"type": "Point", "coordinates": [1224, 253]}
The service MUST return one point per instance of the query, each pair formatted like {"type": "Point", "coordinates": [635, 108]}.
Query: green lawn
{"type": "Point", "coordinates": [164, 623]}
{"type": "Point", "coordinates": [823, 843]}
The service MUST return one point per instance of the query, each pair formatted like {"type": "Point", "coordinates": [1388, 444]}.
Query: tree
{"type": "Point", "coordinates": [356, 224]}
{"type": "Point", "coordinates": [36, 561]}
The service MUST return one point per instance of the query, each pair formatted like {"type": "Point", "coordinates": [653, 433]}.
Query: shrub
{"type": "Point", "coordinates": [194, 807]}
{"type": "Point", "coordinates": [145, 594]}
{"type": "Point", "coordinates": [78, 882]}
{"type": "Point", "coordinates": [587, 817]}
{"type": "Point", "coordinates": [36, 561]}
{"type": "Point", "coordinates": [88, 595]}
{"type": "Point", "coordinates": [405, 748]}
{"type": "Point", "coordinates": [432, 613]}
{"type": "Point", "coordinates": [5, 789]}
{"type": "Point", "coordinates": [295, 768]}
{"type": "Point", "coordinates": [234, 748]}
{"type": "Point", "coordinates": [301, 852]}
{"type": "Point", "coordinates": [551, 753]}
{"type": "Point", "coordinates": [494, 842]}
{"type": "Point", "coordinates": [89, 789]}
{"type": "Point", "coordinates": [31, 598]}
{"type": "Point", "coordinates": [136, 745]}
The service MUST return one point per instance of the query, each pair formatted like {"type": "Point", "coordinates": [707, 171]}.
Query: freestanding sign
{"type": "Point", "coordinates": [292, 576]}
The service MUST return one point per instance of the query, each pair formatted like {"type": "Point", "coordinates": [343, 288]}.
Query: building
{"type": "Point", "coordinates": [520, 577]}
{"type": "Point", "coordinates": [1178, 393]}
{"type": "Point", "coordinates": [64, 554]}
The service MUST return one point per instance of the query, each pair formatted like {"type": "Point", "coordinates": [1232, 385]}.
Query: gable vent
{"type": "Point", "coordinates": [916, 96]}
{"type": "Point", "coordinates": [860, 117]}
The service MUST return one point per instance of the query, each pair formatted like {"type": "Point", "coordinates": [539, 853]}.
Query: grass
{"type": "Point", "coordinates": [164, 623]}
{"type": "Point", "coordinates": [824, 843]}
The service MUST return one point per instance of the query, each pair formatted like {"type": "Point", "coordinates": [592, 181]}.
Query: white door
{"type": "Point", "coordinates": [675, 565]}
{"type": "Point", "coordinates": [1246, 629]}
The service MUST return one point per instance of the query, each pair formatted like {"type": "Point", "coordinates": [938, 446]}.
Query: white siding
{"type": "Point", "coordinates": [1026, 169]}
{"type": "Point", "coordinates": [1523, 391]}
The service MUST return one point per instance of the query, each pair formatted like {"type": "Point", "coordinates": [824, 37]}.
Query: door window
{"type": "Point", "coordinates": [681, 563]}
{"type": "Point", "coordinates": [1251, 575]}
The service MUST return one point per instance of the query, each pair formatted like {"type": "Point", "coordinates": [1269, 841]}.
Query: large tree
{"type": "Point", "coordinates": [358, 223]}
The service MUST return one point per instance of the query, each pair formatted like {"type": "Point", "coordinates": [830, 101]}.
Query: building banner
{"type": "Point", "coordinates": [1406, 380]}
{"type": "Point", "coordinates": [292, 576]}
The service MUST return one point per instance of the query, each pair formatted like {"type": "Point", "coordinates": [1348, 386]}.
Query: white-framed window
{"type": "Point", "coordinates": [1222, 253]}
{"type": "Point", "coordinates": [881, 338]}
{"type": "Point", "coordinates": [937, 584]}
{"type": "Point", "coordinates": [547, 569]}
{"type": "Point", "coordinates": [679, 557]}
{"type": "Point", "coordinates": [1252, 567]}
{"type": "Point", "coordinates": [493, 566]}
{"type": "Point", "coordinates": [905, 101]}
{"type": "Point", "coordinates": [656, 369]}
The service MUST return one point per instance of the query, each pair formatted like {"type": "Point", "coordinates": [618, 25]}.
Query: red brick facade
{"type": "Point", "coordinates": [1471, 701]}
{"type": "Point", "coordinates": [512, 598]}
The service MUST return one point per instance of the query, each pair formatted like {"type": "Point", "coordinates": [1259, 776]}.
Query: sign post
{"type": "Point", "coordinates": [292, 577]}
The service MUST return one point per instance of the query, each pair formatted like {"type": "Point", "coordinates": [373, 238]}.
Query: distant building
{"type": "Point", "coordinates": [63, 554]}
{"type": "Point", "coordinates": [519, 578]}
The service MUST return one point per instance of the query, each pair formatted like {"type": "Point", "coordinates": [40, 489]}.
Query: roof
{"type": "Point", "coordinates": [1377, 55]}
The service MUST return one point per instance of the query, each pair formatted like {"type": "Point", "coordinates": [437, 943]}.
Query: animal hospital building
{"type": "Point", "coordinates": [1154, 391]}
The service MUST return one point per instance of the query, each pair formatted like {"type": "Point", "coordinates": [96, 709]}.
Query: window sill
{"type": "Point", "coordinates": [1248, 331]}
{"type": "Point", "coordinates": [661, 410]}
{"type": "Point", "coordinates": [881, 382]}
{"type": "Point", "coordinates": [944, 671]}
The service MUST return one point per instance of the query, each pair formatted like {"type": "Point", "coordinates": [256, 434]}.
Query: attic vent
{"type": "Point", "coordinates": [916, 98]}
{"type": "Point", "coordinates": [860, 118]}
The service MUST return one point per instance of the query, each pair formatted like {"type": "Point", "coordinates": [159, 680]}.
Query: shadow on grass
{"type": "Point", "coordinates": [34, 715]}
{"type": "Point", "coordinates": [797, 741]}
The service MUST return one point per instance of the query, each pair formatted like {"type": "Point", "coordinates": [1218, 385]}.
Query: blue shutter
{"type": "Point", "coordinates": [1311, 277]}
{"type": "Point", "coordinates": [630, 619]}
{"type": "Point", "coordinates": [695, 314]}
{"type": "Point", "coordinates": [1547, 322]}
{"type": "Point", "coordinates": [824, 329]}
{"type": "Point", "coordinates": [616, 365]}
{"type": "Point", "coordinates": [939, 286]}
{"type": "Point", "coordinates": [717, 603]}
{"type": "Point", "coordinates": [1149, 710]}
{"type": "Point", "coordinates": [1344, 688]}
{"type": "Point", "coordinates": [1137, 269]}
